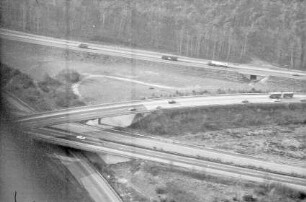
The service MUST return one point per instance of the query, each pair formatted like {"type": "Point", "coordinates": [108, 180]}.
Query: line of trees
{"type": "Point", "coordinates": [232, 30]}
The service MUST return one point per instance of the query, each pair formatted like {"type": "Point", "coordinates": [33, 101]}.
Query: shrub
{"type": "Point", "coordinates": [68, 75]}
{"type": "Point", "coordinates": [249, 198]}
{"type": "Point", "coordinates": [160, 190]}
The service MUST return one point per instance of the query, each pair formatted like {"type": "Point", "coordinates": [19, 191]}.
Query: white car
{"type": "Point", "coordinates": [81, 137]}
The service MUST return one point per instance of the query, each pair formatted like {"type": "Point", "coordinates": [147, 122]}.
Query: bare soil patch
{"type": "Point", "coordinates": [270, 132]}
{"type": "Point", "coordinates": [158, 182]}
{"type": "Point", "coordinates": [283, 144]}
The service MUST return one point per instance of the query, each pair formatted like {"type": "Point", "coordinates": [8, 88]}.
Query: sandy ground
{"type": "Point", "coordinates": [155, 182]}
{"type": "Point", "coordinates": [283, 144]}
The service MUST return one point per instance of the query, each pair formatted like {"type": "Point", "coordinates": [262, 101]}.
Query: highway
{"type": "Point", "coordinates": [142, 54]}
{"type": "Point", "coordinates": [94, 183]}
{"type": "Point", "coordinates": [96, 145]}
{"type": "Point", "coordinates": [170, 153]}
{"type": "Point", "coordinates": [22, 107]}
{"type": "Point", "coordinates": [144, 106]}
{"type": "Point", "coordinates": [174, 147]}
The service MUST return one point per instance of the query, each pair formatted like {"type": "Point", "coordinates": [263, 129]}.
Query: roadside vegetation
{"type": "Point", "coordinates": [21, 85]}
{"type": "Point", "coordinates": [201, 119]}
{"type": "Point", "coordinates": [48, 94]}
{"type": "Point", "coordinates": [58, 90]}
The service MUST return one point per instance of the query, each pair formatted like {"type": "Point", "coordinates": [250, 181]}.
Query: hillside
{"type": "Point", "coordinates": [233, 30]}
{"type": "Point", "coordinates": [45, 95]}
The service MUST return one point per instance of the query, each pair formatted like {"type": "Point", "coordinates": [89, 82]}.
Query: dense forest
{"type": "Point", "coordinates": [230, 30]}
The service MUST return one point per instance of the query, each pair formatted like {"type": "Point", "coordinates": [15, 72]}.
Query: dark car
{"type": "Point", "coordinates": [83, 45]}
{"type": "Point", "coordinates": [245, 102]}
{"type": "Point", "coordinates": [132, 109]}
{"type": "Point", "coordinates": [171, 101]}
{"type": "Point", "coordinates": [167, 57]}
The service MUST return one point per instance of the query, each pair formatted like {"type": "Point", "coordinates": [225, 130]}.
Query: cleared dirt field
{"type": "Point", "coordinates": [156, 182]}
{"type": "Point", "coordinates": [270, 132]}
{"type": "Point", "coordinates": [283, 144]}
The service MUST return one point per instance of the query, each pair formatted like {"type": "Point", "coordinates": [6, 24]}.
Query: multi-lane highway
{"type": "Point", "coordinates": [141, 144]}
{"type": "Point", "coordinates": [142, 54]}
{"type": "Point", "coordinates": [93, 182]}
{"type": "Point", "coordinates": [101, 111]}
{"type": "Point", "coordinates": [169, 146]}
{"type": "Point", "coordinates": [96, 145]}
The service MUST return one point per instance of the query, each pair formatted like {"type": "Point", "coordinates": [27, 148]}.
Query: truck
{"type": "Point", "coordinates": [218, 64]}
{"type": "Point", "coordinates": [279, 95]}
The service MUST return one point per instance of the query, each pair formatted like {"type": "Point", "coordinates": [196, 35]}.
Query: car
{"type": "Point", "coordinates": [296, 75]}
{"type": "Point", "coordinates": [132, 109]}
{"type": "Point", "coordinates": [81, 137]}
{"type": "Point", "coordinates": [168, 57]}
{"type": "Point", "coordinates": [275, 95]}
{"type": "Point", "coordinates": [171, 101]}
{"type": "Point", "coordinates": [303, 100]}
{"type": "Point", "coordinates": [287, 95]}
{"type": "Point", "coordinates": [277, 100]}
{"type": "Point", "coordinates": [83, 45]}
{"type": "Point", "coordinates": [245, 101]}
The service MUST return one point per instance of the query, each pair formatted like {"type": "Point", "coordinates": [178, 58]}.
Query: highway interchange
{"type": "Point", "coordinates": [43, 125]}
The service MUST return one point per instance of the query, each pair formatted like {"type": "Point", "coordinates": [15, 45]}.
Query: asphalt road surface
{"type": "Point", "coordinates": [95, 184]}
{"type": "Point", "coordinates": [134, 107]}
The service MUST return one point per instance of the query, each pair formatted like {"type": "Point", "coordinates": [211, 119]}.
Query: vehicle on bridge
{"type": "Point", "coordinates": [81, 137]}
{"type": "Point", "coordinates": [275, 95]}
{"type": "Point", "coordinates": [132, 109]}
{"type": "Point", "coordinates": [287, 95]}
{"type": "Point", "coordinates": [171, 101]}
{"type": "Point", "coordinates": [279, 95]}
{"type": "Point", "coordinates": [83, 45]}
{"type": "Point", "coordinates": [218, 64]}
{"type": "Point", "coordinates": [172, 58]}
